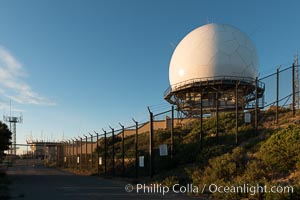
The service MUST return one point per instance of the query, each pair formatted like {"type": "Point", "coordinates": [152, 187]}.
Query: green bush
{"type": "Point", "coordinates": [225, 167]}
{"type": "Point", "coordinates": [170, 181]}
{"type": "Point", "coordinates": [281, 151]}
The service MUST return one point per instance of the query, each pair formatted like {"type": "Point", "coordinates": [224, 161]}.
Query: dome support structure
{"type": "Point", "coordinates": [199, 95]}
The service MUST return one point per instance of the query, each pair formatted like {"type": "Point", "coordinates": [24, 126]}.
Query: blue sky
{"type": "Point", "coordinates": [73, 66]}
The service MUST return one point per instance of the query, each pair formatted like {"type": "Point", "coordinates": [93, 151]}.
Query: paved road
{"type": "Point", "coordinates": [36, 182]}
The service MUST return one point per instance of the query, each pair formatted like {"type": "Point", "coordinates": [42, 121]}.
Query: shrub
{"type": "Point", "coordinates": [278, 154]}
{"type": "Point", "coordinates": [170, 181]}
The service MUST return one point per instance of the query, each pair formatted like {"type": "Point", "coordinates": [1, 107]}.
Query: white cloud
{"type": "Point", "coordinates": [12, 84]}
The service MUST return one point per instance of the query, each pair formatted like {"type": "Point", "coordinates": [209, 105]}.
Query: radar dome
{"type": "Point", "coordinates": [213, 50]}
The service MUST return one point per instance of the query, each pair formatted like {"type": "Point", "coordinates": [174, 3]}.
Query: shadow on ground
{"type": "Point", "coordinates": [34, 182]}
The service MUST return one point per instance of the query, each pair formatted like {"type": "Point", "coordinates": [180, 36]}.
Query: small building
{"type": "Point", "coordinates": [44, 150]}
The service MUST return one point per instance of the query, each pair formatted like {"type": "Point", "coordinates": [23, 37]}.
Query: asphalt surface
{"type": "Point", "coordinates": [31, 181]}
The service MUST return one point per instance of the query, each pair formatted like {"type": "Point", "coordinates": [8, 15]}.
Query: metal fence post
{"type": "Point", "coordinates": [256, 106]}
{"type": "Point", "coordinates": [105, 152]}
{"type": "Point", "coordinates": [69, 149]}
{"type": "Point", "coordinates": [150, 144]}
{"type": "Point", "coordinates": [136, 149]}
{"type": "Point", "coordinates": [70, 155]}
{"type": "Point", "coordinates": [80, 153]}
{"type": "Point", "coordinates": [123, 152]}
{"type": "Point", "coordinates": [113, 150]}
{"type": "Point", "coordinates": [217, 116]}
{"type": "Point", "coordinates": [66, 153]}
{"type": "Point", "coordinates": [76, 153]}
{"type": "Point", "coordinates": [86, 158]}
{"type": "Point", "coordinates": [236, 114]}
{"type": "Point", "coordinates": [277, 95]}
{"type": "Point", "coordinates": [293, 89]}
{"type": "Point", "coordinates": [73, 154]}
{"type": "Point", "coordinates": [57, 159]}
{"type": "Point", "coordinates": [97, 147]}
{"type": "Point", "coordinates": [201, 119]}
{"type": "Point", "coordinates": [91, 151]}
{"type": "Point", "coordinates": [172, 132]}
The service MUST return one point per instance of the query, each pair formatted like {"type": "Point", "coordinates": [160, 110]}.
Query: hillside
{"type": "Point", "coordinates": [272, 157]}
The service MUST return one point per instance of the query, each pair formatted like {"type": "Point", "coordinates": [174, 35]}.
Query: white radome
{"type": "Point", "coordinates": [213, 50]}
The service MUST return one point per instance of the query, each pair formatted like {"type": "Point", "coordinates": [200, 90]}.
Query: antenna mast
{"type": "Point", "coordinates": [13, 128]}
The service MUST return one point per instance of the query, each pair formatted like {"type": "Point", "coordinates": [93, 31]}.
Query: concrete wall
{"type": "Point", "coordinates": [157, 125]}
